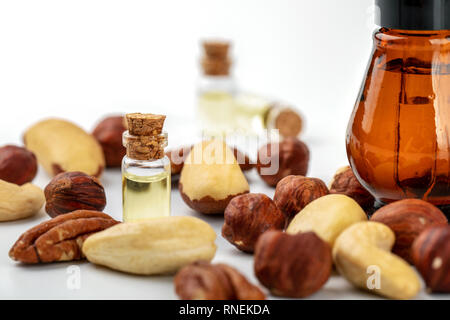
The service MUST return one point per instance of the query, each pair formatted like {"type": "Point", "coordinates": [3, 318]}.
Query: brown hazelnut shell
{"type": "Point", "coordinates": [293, 158]}
{"type": "Point", "coordinates": [177, 157]}
{"type": "Point", "coordinates": [293, 193]}
{"type": "Point", "coordinates": [345, 182]}
{"type": "Point", "coordinates": [202, 280]}
{"type": "Point", "coordinates": [206, 205]}
{"type": "Point", "coordinates": [246, 163]}
{"type": "Point", "coordinates": [109, 134]}
{"type": "Point", "coordinates": [247, 217]}
{"type": "Point", "coordinates": [70, 191]}
{"type": "Point", "coordinates": [431, 256]}
{"type": "Point", "coordinates": [293, 266]}
{"type": "Point", "coordinates": [408, 218]}
{"type": "Point", "coordinates": [17, 165]}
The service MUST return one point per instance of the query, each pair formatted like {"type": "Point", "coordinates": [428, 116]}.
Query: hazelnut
{"type": "Point", "coordinates": [243, 159]}
{"type": "Point", "coordinates": [345, 182]}
{"type": "Point", "coordinates": [293, 193]}
{"type": "Point", "coordinates": [70, 191]}
{"type": "Point", "coordinates": [17, 165]}
{"type": "Point", "coordinates": [177, 157]}
{"type": "Point", "coordinates": [293, 266]}
{"type": "Point", "coordinates": [431, 256]}
{"type": "Point", "coordinates": [408, 218]}
{"type": "Point", "coordinates": [279, 160]}
{"type": "Point", "coordinates": [247, 217]}
{"type": "Point", "coordinates": [202, 280]}
{"type": "Point", "coordinates": [211, 177]}
{"type": "Point", "coordinates": [109, 134]}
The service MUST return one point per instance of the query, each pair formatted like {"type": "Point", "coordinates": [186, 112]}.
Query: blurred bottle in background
{"type": "Point", "coordinates": [216, 90]}
{"type": "Point", "coordinates": [223, 109]}
{"type": "Point", "coordinates": [254, 114]}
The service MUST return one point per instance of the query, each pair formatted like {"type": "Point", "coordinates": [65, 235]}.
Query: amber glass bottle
{"type": "Point", "coordinates": [398, 138]}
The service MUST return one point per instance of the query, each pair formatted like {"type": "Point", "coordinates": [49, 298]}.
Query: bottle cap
{"type": "Point", "coordinates": [413, 14]}
{"type": "Point", "coordinates": [216, 61]}
{"type": "Point", "coordinates": [144, 139]}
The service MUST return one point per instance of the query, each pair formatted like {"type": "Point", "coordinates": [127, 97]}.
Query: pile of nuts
{"type": "Point", "coordinates": [326, 227]}
{"type": "Point", "coordinates": [296, 237]}
{"type": "Point", "coordinates": [18, 197]}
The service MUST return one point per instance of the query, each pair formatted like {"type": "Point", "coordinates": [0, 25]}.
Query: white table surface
{"type": "Point", "coordinates": [49, 281]}
{"type": "Point", "coordinates": [122, 65]}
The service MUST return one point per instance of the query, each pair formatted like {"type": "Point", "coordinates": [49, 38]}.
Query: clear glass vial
{"type": "Point", "coordinates": [216, 90]}
{"type": "Point", "coordinates": [398, 138]}
{"type": "Point", "coordinates": [146, 183]}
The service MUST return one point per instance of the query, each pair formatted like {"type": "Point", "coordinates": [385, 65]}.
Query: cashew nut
{"type": "Point", "coordinates": [18, 202]}
{"type": "Point", "coordinates": [366, 246]}
{"type": "Point", "coordinates": [327, 216]}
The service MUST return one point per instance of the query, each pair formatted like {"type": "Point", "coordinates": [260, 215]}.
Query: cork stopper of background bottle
{"type": "Point", "coordinates": [285, 119]}
{"type": "Point", "coordinates": [144, 139]}
{"type": "Point", "coordinates": [216, 61]}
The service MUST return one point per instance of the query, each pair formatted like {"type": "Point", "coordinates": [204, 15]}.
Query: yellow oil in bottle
{"type": "Point", "coordinates": [222, 113]}
{"type": "Point", "coordinates": [216, 112]}
{"type": "Point", "coordinates": [250, 113]}
{"type": "Point", "coordinates": [145, 197]}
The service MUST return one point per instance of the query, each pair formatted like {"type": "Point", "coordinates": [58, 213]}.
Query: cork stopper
{"type": "Point", "coordinates": [216, 61]}
{"type": "Point", "coordinates": [284, 118]}
{"type": "Point", "coordinates": [144, 139]}
{"type": "Point", "coordinates": [145, 124]}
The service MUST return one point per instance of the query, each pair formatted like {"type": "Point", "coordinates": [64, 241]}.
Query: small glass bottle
{"type": "Point", "coordinates": [398, 138]}
{"type": "Point", "coordinates": [146, 180]}
{"type": "Point", "coordinates": [254, 114]}
{"type": "Point", "coordinates": [222, 109]}
{"type": "Point", "coordinates": [216, 90]}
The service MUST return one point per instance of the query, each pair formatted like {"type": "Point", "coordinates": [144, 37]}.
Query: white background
{"type": "Point", "coordinates": [83, 59]}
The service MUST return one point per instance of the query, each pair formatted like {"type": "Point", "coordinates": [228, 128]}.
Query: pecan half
{"type": "Point", "coordinates": [60, 238]}
{"type": "Point", "coordinates": [202, 280]}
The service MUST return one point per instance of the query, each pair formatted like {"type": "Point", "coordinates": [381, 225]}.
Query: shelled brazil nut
{"type": "Point", "coordinates": [327, 216]}
{"type": "Point", "coordinates": [153, 246]}
{"type": "Point", "coordinates": [62, 146]}
{"type": "Point", "coordinates": [211, 177]}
